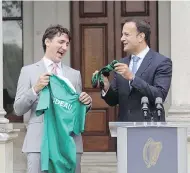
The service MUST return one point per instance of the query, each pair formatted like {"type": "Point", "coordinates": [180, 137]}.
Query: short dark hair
{"type": "Point", "coordinates": [52, 31]}
{"type": "Point", "coordinates": [142, 27]}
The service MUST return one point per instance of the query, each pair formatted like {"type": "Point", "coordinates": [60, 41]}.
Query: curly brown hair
{"type": "Point", "coordinates": [52, 31]}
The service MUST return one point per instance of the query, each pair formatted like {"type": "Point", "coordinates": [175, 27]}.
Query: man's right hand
{"type": "Point", "coordinates": [105, 80]}
{"type": "Point", "coordinates": [42, 82]}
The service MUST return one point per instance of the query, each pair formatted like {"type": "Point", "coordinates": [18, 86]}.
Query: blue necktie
{"type": "Point", "coordinates": [135, 61]}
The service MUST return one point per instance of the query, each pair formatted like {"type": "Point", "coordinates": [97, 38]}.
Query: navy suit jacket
{"type": "Point", "coordinates": [152, 80]}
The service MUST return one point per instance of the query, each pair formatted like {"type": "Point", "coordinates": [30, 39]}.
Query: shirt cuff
{"type": "Point", "coordinates": [132, 80]}
{"type": "Point", "coordinates": [34, 91]}
{"type": "Point", "coordinates": [104, 93]}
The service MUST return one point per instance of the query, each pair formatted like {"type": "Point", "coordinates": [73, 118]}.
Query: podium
{"type": "Point", "coordinates": [151, 147]}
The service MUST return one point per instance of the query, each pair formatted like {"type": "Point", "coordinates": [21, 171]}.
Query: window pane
{"type": "Point", "coordinates": [11, 8]}
{"type": "Point", "coordinates": [12, 61]}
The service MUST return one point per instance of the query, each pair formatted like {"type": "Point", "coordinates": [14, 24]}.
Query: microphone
{"type": "Point", "coordinates": [159, 108]}
{"type": "Point", "coordinates": [144, 103]}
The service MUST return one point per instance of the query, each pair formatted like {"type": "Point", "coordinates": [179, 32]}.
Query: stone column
{"type": "Point", "coordinates": [180, 46]}
{"type": "Point", "coordinates": [7, 133]}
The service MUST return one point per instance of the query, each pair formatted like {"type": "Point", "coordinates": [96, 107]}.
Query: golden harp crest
{"type": "Point", "coordinates": [151, 152]}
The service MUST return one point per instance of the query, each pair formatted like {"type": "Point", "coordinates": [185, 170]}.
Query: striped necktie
{"type": "Point", "coordinates": [54, 69]}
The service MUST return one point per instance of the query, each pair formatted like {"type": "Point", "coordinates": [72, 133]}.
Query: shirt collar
{"type": "Point", "coordinates": [143, 53]}
{"type": "Point", "coordinates": [49, 62]}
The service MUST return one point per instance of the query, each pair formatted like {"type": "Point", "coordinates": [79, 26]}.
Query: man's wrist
{"type": "Point", "coordinates": [106, 87]}
{"type": "Point", "coordinates": [35, 90]}
{"type": "Point", "coordinates": [131, 78]}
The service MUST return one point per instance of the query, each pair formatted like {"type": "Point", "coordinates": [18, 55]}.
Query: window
{"type": "Point", "coordinates": [12, 54]}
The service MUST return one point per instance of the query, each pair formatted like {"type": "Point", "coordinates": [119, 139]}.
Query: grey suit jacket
{"type": "Point", "coordinates": [26, 101]}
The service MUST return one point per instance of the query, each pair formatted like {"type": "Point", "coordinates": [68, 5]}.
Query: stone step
{"type": "Point", "coordinates": [99, 162]}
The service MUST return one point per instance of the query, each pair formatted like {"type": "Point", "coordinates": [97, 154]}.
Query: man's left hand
{"type": "Point", "coordinates": [85, 98]}
{"type": "Point", "coordinates": [124, 71]}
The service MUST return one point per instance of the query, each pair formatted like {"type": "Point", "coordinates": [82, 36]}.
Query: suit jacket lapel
{"type": "Point", "coordinates": [67, 74]}
{"type": "Point", "coordinates": [64, 69]}
{"type": "Point", "coordinates": [145, 63]}
{"type": "Point", "coordinates": [127, 61]}
{"type": "Point", "coordinates": [41, 67]}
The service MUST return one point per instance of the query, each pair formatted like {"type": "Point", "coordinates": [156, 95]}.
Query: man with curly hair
{"type": "Point", "coordinates": [33, 78]}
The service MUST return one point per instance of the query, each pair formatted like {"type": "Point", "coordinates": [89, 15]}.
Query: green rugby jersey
{"type": "Point", "coordinates": [64, 114]}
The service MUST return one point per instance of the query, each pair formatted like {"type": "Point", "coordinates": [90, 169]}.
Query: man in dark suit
{"type": "Point", "coordinates": [144, 73]}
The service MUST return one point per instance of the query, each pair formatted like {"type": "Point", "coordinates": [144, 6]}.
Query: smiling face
{"type": "Point", "coordinates": [57, 47]}
{"type": "Point", "coordinates": [131, 38]}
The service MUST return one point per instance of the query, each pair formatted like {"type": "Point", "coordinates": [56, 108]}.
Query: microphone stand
{"type": "Point", "coordinates": [145, 109]}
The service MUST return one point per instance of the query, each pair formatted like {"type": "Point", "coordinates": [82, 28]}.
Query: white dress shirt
{"type": "Point", "coordinates": [141, 55]}
{"type": "Point", "coordinates": [49, 66]}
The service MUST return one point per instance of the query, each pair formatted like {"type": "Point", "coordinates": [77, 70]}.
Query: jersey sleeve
{"type": "Point", "coordinates": [44, 101]}
{"type": "Point", "coordinates": [79, 123]}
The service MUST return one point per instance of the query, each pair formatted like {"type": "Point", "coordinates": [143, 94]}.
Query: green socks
{"type": "Point", "coordinates": [104, 71]}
